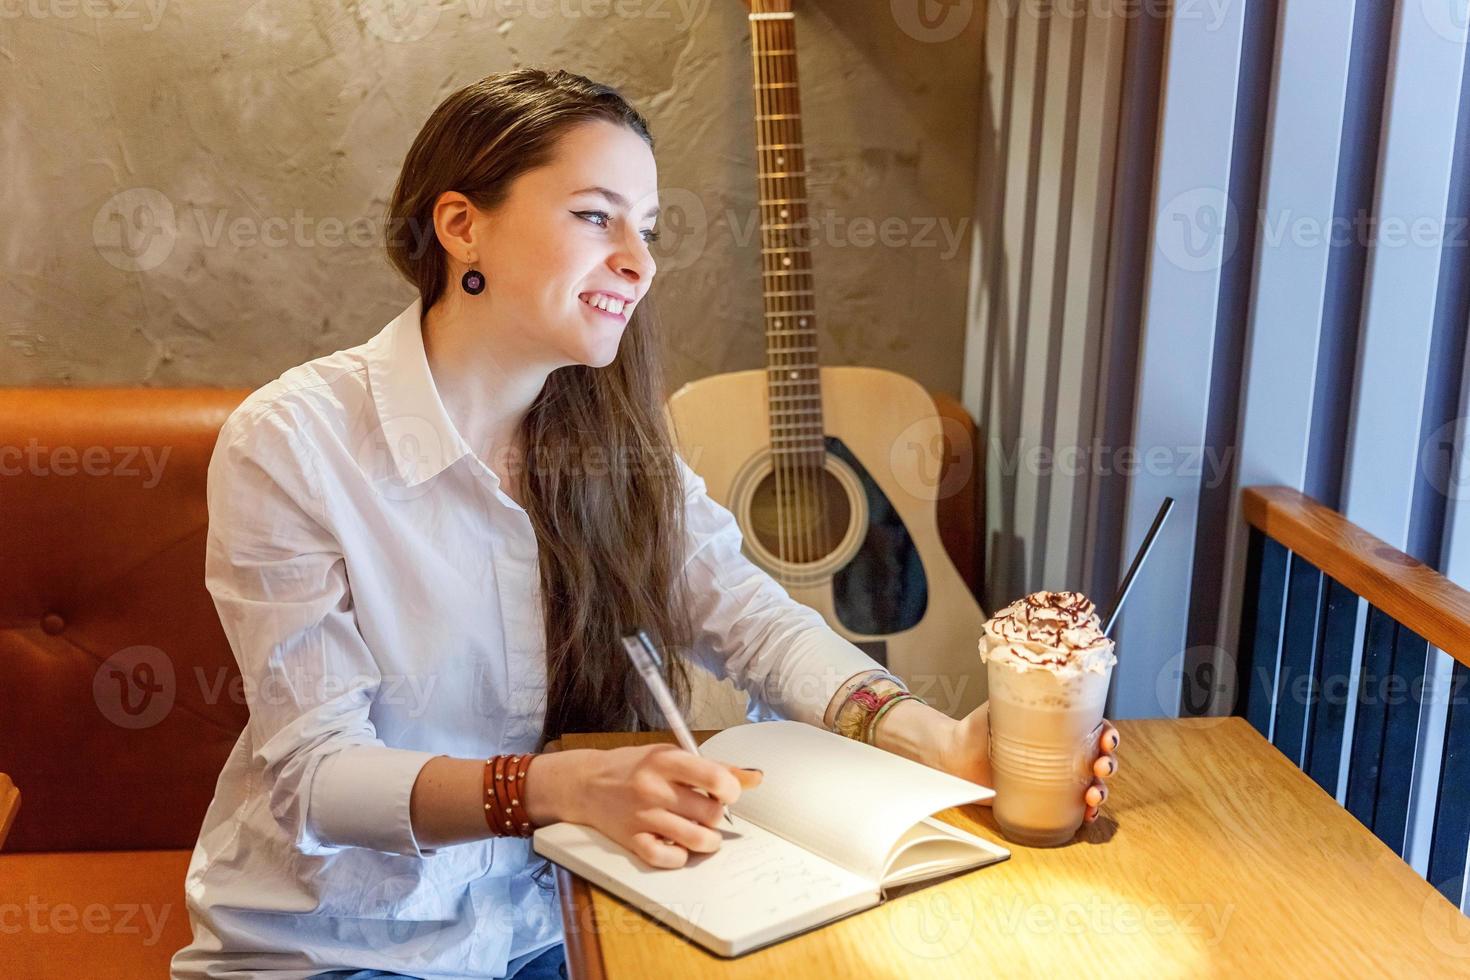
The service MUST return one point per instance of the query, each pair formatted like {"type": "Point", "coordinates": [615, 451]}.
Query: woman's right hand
{"type": "Point", "coordinates": [644, 798]}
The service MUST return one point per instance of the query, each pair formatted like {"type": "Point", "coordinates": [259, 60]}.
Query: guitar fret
{"type": "Point", "coordinates": [791, 384]}
{"type": "Point", "coordinates": [780, 115]}
{"type": "Point", "coordinates": [789, 425]}
{"type": "Point", "coordinates": [781, 249]}
{"type": "Point", "coordinates": [777, 51]}
{"type": "Point", "coordinates": [789, 292]}
{"type": "Point", "coordinates": [791, 333]}
{"type": "Point", "coordinates": [774, 85]}
{"type": "Point", "coordinates": [780, 146]}
{"type": "Point", "coordinates": [791, 313]}
{"type": "Point", "coordinates": [784, 174]}
{"type": "Point", "coordinates": [787, 272]}
{"type": "Point", "coordinates": [781, 15]}
{"type": "Point", "coordinates": [791, 350]}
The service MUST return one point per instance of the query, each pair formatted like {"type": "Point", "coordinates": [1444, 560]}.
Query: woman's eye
{"type": "Point", "coordinates": [602, 218]}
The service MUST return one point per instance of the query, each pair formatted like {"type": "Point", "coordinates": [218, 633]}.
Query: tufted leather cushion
{"type": "Point", "coordinates": [117, 707]}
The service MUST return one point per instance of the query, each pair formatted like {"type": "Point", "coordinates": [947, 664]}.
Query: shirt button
{"type": "Point", "coordinates": [53, 623]}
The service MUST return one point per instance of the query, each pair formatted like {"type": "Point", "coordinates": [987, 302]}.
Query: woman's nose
{"type": "Point", "coordinates": [634, 267]}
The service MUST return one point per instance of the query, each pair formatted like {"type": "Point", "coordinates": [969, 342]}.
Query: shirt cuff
{"type": "Point", "coordinates": [361, 797]}
{"type": "Point", "coordinates": [817, 664]}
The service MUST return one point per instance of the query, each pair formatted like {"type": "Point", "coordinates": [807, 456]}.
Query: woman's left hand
{"type": "Point", "coordinates": [967, 755]}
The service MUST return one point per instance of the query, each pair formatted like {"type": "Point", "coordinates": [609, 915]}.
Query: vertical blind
{"type": "Point", "coordinates": [1221, 245]}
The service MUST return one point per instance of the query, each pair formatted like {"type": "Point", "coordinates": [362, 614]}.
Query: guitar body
{"type": "Point", "coordinates": [877, 570]}
{"type": "Point", "coordinates": [833, 473]}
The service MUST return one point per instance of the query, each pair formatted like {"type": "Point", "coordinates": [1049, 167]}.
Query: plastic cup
{"type": "Point", "coordinates": [1044, 732]}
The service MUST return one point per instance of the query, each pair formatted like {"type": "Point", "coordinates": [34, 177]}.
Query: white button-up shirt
{"type": "Point", "coordinates": [380, 593]}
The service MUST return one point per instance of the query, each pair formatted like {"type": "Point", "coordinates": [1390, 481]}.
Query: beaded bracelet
{"type": "Point", "coordinates": [505, 790]}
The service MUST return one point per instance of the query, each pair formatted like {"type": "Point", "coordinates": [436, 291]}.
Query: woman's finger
{"type": "Point", "coordinates": [1105, 766]}
{"type": "Point", "coordinates": [1094, 795]}
{"type": "Point", "coordinates": [696, 806]}
{"type": "Point", "coordinates": [682, 831]}
{"type": "Point", "coordinates": [658, 851]}
{"type": "Point", "coordinates": [1110, 737]}
{"type": "Point", "coordinates": [692, 770]}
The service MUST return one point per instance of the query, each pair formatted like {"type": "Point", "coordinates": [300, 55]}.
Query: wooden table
{"type": "Point", "coordinates": [1213, 855]}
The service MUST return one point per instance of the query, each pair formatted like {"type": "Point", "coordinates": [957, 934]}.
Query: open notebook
{"type": "Point", "coordinates": [832, 825]}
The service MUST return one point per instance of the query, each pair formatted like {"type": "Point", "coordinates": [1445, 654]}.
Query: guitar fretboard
{"type": "Point", "coordinates": [793, 378]}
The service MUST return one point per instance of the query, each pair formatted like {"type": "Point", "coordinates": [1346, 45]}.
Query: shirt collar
{"type": "Point", "coordinates": [422, 441]}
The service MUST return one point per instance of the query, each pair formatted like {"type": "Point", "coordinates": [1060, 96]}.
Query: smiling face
{"type": "Point", "coordinates": [570, 234]}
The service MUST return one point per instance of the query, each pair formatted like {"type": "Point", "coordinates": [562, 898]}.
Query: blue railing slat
{"type": "Point", "coordinates": [1328, 717]}
{"type": "Point", "coordinates": [1298, 658]}
{"type": "Point", "coordinates": [1403, 696]}
{"type": "Point", "coordinates": [1452, 811]}
{"type": "Point", "coordinates": [1261, 628]}
{"type": "Point", "coordinates": [1371, 717]}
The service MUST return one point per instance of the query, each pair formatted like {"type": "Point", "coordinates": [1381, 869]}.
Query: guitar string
{"type": "Point", "coordinates": [778, 467]}
{"type": "Point", "coordinates": [811, 454]}
{"type": "Point", "coordinates": [796, 459]}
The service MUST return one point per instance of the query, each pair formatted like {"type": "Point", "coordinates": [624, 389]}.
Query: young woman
{"type": "Point", "coordinates": [425, 549]}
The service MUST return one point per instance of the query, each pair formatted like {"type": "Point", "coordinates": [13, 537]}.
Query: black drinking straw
{"type": "Point", "coordinates": [1143, 550]}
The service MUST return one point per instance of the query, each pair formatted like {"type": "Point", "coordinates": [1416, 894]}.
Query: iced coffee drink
{"type": "Point", "coordinates": [1048, 665]}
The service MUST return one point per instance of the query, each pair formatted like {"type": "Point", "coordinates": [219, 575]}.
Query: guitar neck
{"type": "Point", "coordinates": [793, 378]}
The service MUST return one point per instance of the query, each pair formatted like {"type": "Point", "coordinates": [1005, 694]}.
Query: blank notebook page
{"type": "Point", "coordinates": [847, 801]}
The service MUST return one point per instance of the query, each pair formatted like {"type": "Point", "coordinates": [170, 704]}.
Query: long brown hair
{"type": "Point", "coordinates": [602, 486]}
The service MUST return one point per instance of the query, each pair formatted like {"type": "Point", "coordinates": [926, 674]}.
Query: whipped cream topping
{"type": "Point", "coordinates": [1058, 631]}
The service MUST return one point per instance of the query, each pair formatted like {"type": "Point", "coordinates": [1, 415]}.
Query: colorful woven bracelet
{"type": "Point", "coordinates": [863, 702]}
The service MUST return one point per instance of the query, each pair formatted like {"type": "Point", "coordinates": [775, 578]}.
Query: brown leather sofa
{"type": "Point", "coordinates": [117, 712]}
{"type": "Point", "coordinates": [119, 696]}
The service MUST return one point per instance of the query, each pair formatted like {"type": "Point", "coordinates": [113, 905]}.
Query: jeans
{"type": "Point", "coordinates": [549, 964]}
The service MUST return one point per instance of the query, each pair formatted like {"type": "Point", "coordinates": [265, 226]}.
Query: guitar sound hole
{"type": "Point", "coordinates": [801, 516]}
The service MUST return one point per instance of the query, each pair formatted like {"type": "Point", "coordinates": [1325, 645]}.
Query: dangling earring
{"type": "Point", "coordinates": [473, 282]}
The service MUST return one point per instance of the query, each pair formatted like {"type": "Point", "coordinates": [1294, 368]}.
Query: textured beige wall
{"type": "Point", "coordinates": [193, 192]}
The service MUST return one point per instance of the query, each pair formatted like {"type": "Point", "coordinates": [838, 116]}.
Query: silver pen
{"type": "Point", "coordinates": [646, 658]}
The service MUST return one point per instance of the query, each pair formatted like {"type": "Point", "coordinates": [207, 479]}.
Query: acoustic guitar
{"type": "Point", "coordinates": [830, 471]}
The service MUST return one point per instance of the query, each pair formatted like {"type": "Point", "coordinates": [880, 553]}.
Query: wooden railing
{"type": "Point", "coordinates": [1309, 571]}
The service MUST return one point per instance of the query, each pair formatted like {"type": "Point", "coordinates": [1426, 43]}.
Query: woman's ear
{"type": "Point", "coordinates": [454, 224]}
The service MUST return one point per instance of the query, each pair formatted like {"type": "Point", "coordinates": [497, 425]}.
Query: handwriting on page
{"type": "Point", "coordinates": [773, 877]}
